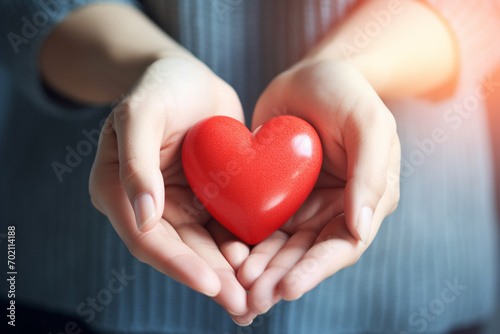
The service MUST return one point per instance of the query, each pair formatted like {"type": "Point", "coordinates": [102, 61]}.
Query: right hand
{"type": "Point", "coordinates": [358, 185]}
{"type": "Point", "coordinates": [138, 182]}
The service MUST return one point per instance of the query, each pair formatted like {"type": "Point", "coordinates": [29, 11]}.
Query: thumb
{"type": "Point", "coordinates": [139, 134]}
{"type": "Point", "coordinates": [369, 136]}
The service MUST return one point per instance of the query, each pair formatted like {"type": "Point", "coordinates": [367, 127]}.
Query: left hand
{"type": "Point", "coordinates": [139, 156]}
{"type": "Point", "coordinates": [357, 188]}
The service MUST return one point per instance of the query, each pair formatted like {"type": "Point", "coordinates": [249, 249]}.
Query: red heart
{"type": "Point", "coordinates": [252, 183]}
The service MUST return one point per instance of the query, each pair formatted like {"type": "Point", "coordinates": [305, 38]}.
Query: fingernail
{"type": "Point", "coordinates": [209, 294]}
{"type": "Point", "coordinates": [364, 224]}
{"type": "Point", "coordinates": [244, 324]}
{"type": "Point", "coordinates": [144, 208]}
{"type": "Point", "coordinates": [230, 313]}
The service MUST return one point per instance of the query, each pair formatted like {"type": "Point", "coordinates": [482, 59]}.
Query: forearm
{"type": "Point", "coordinates": [402, 47]}
{"type": "Point", "coordinates": [97, 53]}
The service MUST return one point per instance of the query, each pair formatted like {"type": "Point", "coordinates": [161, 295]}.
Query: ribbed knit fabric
{"type": "Point", "coordinates": [432, 267]}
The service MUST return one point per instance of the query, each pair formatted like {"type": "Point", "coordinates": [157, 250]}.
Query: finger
{"type": "Point", "coordinates": [369, 134]}
{"type": "Point", "coordinates": [232, 296]}
{"type": "Point", "coordinates": [160, 247]}
{"type": "Point", "coordinates": [264, 292]}
{"type": "Point", "coordinates": [105, 163]}
{"type": "Point", "coordinates": [322, 205]}
{"type": "Point", "coordinates": [140, 127]}
{"type": "Point", "coordinates": [335, 249]}
{"type": "Point", "coordinates": [234, 250]}
{"type": "Point", "coordinates": [244, 320]}
{"type": "Point", "coordinates": [259, 258]}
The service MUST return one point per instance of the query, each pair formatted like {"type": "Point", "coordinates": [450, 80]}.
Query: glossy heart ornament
{"type": "Point", "coordinates": [252, 183]}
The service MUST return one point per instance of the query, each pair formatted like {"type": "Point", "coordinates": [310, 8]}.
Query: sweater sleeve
{"type": "Point", "coordinates": [476, 25]}
{"type": "Point", "coordinates": [24, 27]}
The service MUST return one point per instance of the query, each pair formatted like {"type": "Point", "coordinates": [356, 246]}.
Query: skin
{"type": "Point", "coordinates": [94, 57]}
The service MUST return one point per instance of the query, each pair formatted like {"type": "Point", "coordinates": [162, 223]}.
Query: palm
{"type": "Point", "coordinates": [314, 222]}
{"type": "Point", "coordinates": [316, 242]}
{"type": "Point", "coordinates": [187, 245]}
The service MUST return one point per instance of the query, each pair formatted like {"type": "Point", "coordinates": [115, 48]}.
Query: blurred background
{"type": "Point", "coordinates": [493, 104]}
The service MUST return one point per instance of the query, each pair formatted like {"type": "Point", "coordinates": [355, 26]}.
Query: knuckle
{"type": "Point", "coordinates": [390, 122]}
{"type": "Point", "coordinates": [396, 197]}
{"type": "Point", "coordinates": [94, 194]}
{"type": "Point", "coordinates": [228, 93]}
{"type": "Point", "coordinates": [377, 183]}
{"type": "Point", "coordinates": [108, 127]}
{"type": "Point", "coordinates": [353, 259]}
{"type": "Point", "coordinates": [130, 169]}
{"type": "Point", "coordinates": [135, 249]}
{"type": "Point", "coordinates": [394, 193]}
{"type": "Point", "coordinates": [123, 109]}
{"type": "Point", "coordinates": [94, 201]}
{"type": "Point", "coordinates": [227, 88]}
{"type": "Point", "coordinates": [92, 188]}
{"type": "Point", "coordinates": [394, 207]}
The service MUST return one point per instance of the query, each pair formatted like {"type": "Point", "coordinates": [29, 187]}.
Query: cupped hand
{"type": "Point", "coordinates": [138, 182]}
{"type": "Point", "coordinates": [357, 188]}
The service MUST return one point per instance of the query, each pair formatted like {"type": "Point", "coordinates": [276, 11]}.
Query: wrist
{"type": "Point", "coordinates": [173, 52]}
{"type": "Point", "coordinates": [376, 71]}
